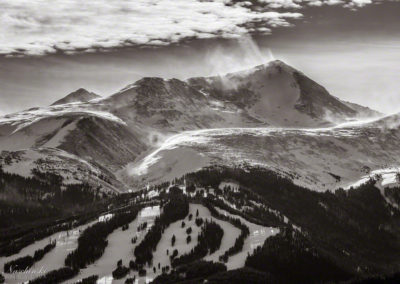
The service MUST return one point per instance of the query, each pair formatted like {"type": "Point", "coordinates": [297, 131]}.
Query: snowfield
{"type": "Point", "coordinates": [317, 158]}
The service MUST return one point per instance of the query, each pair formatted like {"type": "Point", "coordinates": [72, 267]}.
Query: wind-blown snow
{"type": "Point", "coordinates": [169, 144]}
{"type": "Point", "coordinates": [31, 128]}
{"type": "Point", "coordinates": [318, 158]}
{"type": "Point", "coordinates": [25, 118]}
{"type": "Point", "coordinates": [206, 136]}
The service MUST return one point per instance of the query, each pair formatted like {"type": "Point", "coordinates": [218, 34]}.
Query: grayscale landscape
{"type": "Point", "coordinates": [199, 142]}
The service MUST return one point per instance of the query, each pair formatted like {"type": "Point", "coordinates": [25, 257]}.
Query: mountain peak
{"type": "Point", "coordinates": [276, 64]}
{"type": "Point", "coordinates": [277, 94]}
{"type": "Point", "coordinates": [80, 95]}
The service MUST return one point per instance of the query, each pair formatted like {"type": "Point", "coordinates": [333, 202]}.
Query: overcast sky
{"type": "Point", "coordinates": [351, 47]}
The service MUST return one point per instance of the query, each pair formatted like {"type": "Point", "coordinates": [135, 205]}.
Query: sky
{"type": "Point", "coordinates": [351, 47]}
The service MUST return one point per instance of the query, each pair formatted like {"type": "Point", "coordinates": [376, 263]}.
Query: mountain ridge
{"type": "Point", "coordinates": [129, 125]}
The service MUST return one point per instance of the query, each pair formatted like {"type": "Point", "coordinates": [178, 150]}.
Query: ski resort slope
{"type": "Point", "coordinates": [66, 241]}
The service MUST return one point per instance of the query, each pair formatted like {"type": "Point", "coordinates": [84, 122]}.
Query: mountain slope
{"type": "Point", "coordinates": [319, 159]}
{"type": "Point", "coordinates": [48, 137]}
{"type": "Point", "coordinates": [271, 94]}
{"type": "Point", "coordinates": [173, 105]}
{"type": "Point", "coordinates": [48, 162]}
{"type": "Point", "coordinates": [21, 130]}
{"type": "Point", "coordinates": [106, 142]}
{"type": "Point", "coordinates": [226, 114]}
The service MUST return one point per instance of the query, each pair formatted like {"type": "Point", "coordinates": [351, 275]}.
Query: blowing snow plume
{"type": "Point", "coordinates": [245, 55]}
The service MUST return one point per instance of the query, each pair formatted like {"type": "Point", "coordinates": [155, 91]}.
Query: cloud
{"type": "Point", "coordinates": [352, 4]}
{"type": "Point", "coordinates": [37, 27]}
{"type": "Point", "coordinates": [358, 3]}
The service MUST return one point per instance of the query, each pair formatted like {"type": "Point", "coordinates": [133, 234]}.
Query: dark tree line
{"type": "Point", "coordinates": [18, 191]}
{"type": "Point", "coordinates": [176, 209]}
{"type": "Point", "coordinates": [292, 259]}
{"type": "Point", "coordinates": [190, 272]}
{"type": "Point", "coordinates": [56, 276]}
{"type": "Point", "coordinates": [27, 262]}
{"type": "Point", "coordinates": [19, 264]}
{"type": "Point", "coordinates": [34, 188]}
{"type": "Point", "coordinates": [12, 213]}
{"type": "Point", "coordinates": [393, 193]}
{"type": "Point", "coordinates": [379, 279]}
{"type": "Point", "coordinates": [93, 241]}
{"type": "Point", "coordinates": [240, 276]}
{"type": "Point", "coordinates": [88, 280]}
{"type": "Point", "coordinates": [208, 242]}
